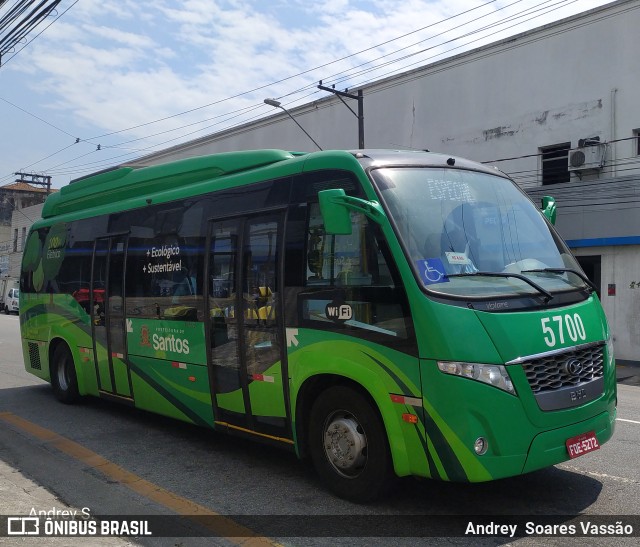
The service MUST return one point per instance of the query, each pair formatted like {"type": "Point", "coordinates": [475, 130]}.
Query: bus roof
{"type": "Point", "coordinates": [125, 183]}
{"type": "Point", "coordinates": [419, 158]}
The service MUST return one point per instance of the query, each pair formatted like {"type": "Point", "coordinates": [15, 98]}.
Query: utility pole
{"type": "Point", "coordinates": [33, 178]}
{"type": "Point", "coordinates": [359, 115]}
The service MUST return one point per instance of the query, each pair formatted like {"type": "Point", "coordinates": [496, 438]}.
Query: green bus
{"type": "Point", "coordinates": [385, 313]}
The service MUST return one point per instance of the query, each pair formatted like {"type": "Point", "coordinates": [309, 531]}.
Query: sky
{"type": "Point", "coordinates": [100, 83]}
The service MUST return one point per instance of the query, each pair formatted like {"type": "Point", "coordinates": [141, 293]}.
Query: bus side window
{"type": "Point", "coordinates": [351, 270]}
{"type": "Point", "coordinates": [164, 278]}
{"type": "Point", "coordinates": [165, 264]}
{"type": "Point", "coordinates": [342, 259]}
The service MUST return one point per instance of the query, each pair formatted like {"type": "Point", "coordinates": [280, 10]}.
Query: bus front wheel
{"type": "Point", "coordinates": [348, 445]}
{"type": "Point", "coordinates": [63, 376]}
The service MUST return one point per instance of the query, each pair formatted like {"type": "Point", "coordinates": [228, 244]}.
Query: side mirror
{"type": "Point", "coordinates": [335, 207]}
{"type": "Point", "coordinates": [335, 215]}
{"type": "Point", "coordinates": [549, 208]}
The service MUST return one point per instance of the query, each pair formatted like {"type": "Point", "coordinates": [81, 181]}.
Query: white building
{"type": "Point", "coordinates": [5, 249]}
{"type": "Point", "coordinates": [21, 221]}
{"type": "Point", "coordinates": [556, 107]}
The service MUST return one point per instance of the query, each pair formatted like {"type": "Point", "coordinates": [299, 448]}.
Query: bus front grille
{"type": "Point", "coordinates": [565, 369]}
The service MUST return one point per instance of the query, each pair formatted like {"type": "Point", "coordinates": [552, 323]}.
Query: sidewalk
{"type": "Point", "coordinates": [19, 495]}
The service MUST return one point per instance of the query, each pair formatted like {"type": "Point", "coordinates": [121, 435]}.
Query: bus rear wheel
{"type": "Point", "coordinates": [348, 445]}
{"type": "Point", "coordinates": [63, 376]}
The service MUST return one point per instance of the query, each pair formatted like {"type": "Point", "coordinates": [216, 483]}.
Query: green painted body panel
{"type": "Point", "coordinates": [233, 401]}
{"type": "Point", "coordinates": [453, 412]}
{"type": "Point", "coordinates": [519, 334]}
{"type": "Point", "coordinates": [125, 183]}
{"type": "Point", "coordinates": [181, 392]}
{"type": "Point", "coordinates": [449, 412]}
{"type": "Point", "coordinates": [44, 318]}
{"type": "Point", "coordinates": [104, 374]}
{"type": "Point", "coordinates": [379, 371]}
{"type": "Point", "coordinates": [159, 386]}
{"type": "Point", "coordinates": [548, 448]}
{"type": "Point", "coordinates": [450, 332]}
{"type": "Point", "coordinates": [266, 397]}
{"type": "Point", "coordinates": [147, 398]}
{"type": "Point", "coordinates": [167, 339]}
{"type": "Point", "coordinates": [64, 207]}
{"type": "Point", "coordinates": [121, 376]}
{"type": "Point", "coordinates": [510, 423]}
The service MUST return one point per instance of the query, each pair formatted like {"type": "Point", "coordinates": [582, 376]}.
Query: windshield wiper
{"type": "Point", "coordinates": [547, 295]}
{"type": "Point", "coordinates": [565, 270]}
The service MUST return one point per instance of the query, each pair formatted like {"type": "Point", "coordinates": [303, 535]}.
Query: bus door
{"type": "Point", "coordinates": [107, 315]}
{"type": "Point", "coordinates": [245, 332]}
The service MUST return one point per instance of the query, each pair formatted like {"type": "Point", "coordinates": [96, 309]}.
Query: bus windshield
{"type": "Point", "coordinates": [476, 235]}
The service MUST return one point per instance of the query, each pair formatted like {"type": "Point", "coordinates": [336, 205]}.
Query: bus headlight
{"type": "Point", "coordinates": [494, 375]}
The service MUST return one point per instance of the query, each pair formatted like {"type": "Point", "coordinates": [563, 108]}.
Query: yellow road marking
{"type": "Point", "coordinates": [221, 526]}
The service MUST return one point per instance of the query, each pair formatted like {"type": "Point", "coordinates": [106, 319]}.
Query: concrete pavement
{"type": "Point", "coordinates": [19, 494]}
{"type": "Point", "coordinates": [628, 372]}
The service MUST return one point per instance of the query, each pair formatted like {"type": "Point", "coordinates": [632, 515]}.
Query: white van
{"type": "Point", "coordinates": [12, 301]}
{"type": "Point", "coordinates": [9, 295]}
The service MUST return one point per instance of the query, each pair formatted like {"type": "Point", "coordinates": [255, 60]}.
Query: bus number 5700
{"type": "Point", "coordinates": [554, 329]}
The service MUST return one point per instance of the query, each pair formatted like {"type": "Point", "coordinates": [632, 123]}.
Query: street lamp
{"type": "Point", "coordinates": [277, 104]}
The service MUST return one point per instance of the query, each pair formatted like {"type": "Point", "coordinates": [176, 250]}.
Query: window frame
{"type": "Point", "coordinates": [557, 153]}
{"type": "Point", "coordinates": [303, 292]}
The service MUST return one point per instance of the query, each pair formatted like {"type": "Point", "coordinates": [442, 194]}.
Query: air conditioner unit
{"type": "Point", "coordinates": [587, 157]}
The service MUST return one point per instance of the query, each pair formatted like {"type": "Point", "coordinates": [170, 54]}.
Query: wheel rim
{"type": "Point", "coordinates": [63, 380]}
{"type": "Point", "coordinates": [345, 444]}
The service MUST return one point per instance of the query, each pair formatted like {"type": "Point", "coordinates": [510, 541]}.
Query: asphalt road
{"type": "Point", "coordinates": [113, 460]}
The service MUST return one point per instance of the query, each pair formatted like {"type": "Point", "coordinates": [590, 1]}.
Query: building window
{"type": "Point", "coordinates": [592, 266]}
{"type": "Point", "coordinates": [15, 240]}
{"type": "Point", "coordinates": [555, 163]}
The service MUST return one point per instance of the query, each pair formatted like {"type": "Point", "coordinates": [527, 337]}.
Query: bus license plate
{"type": "Point", "coordinates": [580, 445]}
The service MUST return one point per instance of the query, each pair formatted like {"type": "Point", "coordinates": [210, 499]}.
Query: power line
{"type": "Point", "coordinates": [563, 2]}
{"type": "Point", "coordinates": [253, 108]}
{"type": "Point", "coordinates": [337, 78]}
{"type": "Point", "coordinates": [260, 87]}
{"type": "Point", "coordinates": [36, 117]}
{"type": "Point", "coordinates": [27, 25]}
{"type": "Point", "coordinates": [245, 121]}
{"type": "Point", "coordinates": [300, 73]}
{"type": "Point", "coordinates": [421, 61]}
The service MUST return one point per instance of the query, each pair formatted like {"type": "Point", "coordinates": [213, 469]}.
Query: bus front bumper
{"type": "Point", "coordinates": [549, 448]}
